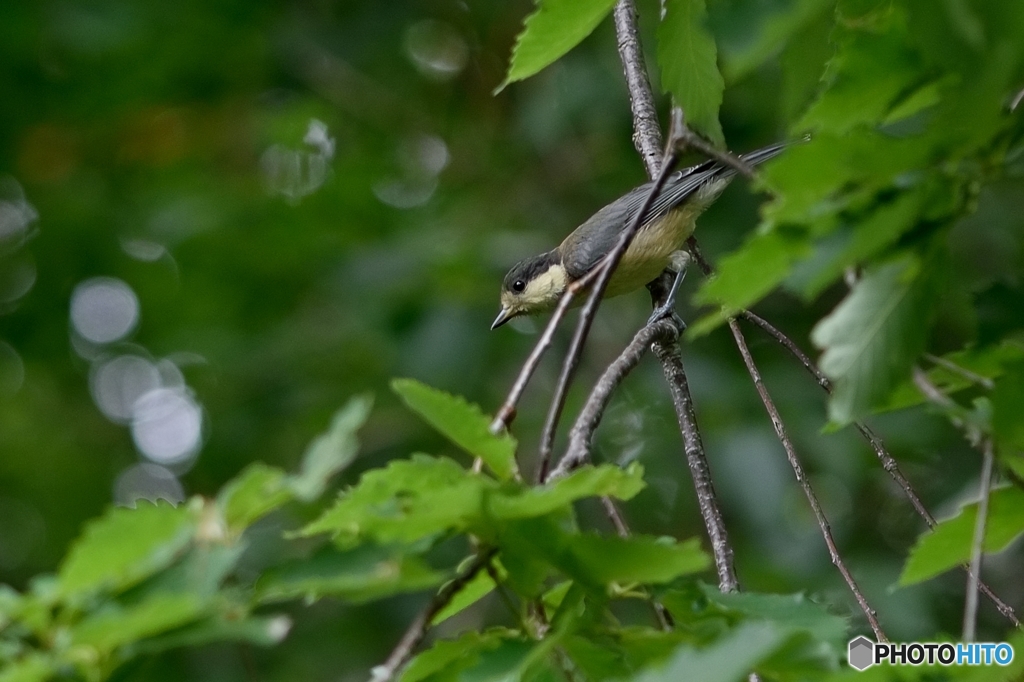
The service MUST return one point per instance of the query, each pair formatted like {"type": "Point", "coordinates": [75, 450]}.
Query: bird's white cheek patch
{"type": "Point", "coordinates": [545, 289]}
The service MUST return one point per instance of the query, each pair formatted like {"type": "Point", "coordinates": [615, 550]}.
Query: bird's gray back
{"type": "Point", "coordinates": [592, 240]}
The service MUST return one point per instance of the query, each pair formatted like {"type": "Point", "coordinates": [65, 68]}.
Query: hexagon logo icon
{"type": "Point", "coordinates": [861, 653]}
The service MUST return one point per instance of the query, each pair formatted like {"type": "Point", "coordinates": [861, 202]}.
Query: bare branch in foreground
{"type": "Point", "coordinates": [582, 433]}
{"type": "Point", "coordinates": [801, 477]}
{"type": "Point", "coordinates": [417, 630]}
{"type": "Point", "coordinates": [974, 574]}
{"type": "Point", "coordinates": [604, 273]}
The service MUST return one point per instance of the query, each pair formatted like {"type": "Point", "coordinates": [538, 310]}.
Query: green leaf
{"type": "Point", "coordinates": [729, 659]}
{"type": "Point", "coordinates": [447, 659]}
{"type": "Point", "coordinates": [356, 576]}
{"type": "Point", "coordinates": [554, 28]}
{"type": "Point", "coordinates": [331, 452]}
{"type": "Point", "coordinates": [587, 481]}
{"type": "Point", "coordinates": [476, 589]}
{"type": "Point", "coordinates": [689, 66]}
{"type": "Point", "coordinates": [462, 423]}
{"type": "Point", "coordinates": [876, 231]}
{"type": "Point", "coordinates": [792, 611]}
{"type": "Point", "coordinates": [949, 544]}
{"type": "Point", "coordinates": [874, 336]}
{"type": "Point", "coordinates": [868, 73]}
{"type": "Point", "coordinates": [747, 275]}
{"type": "Point", "coordinates": [257, 491]}
{"type": "Point", "coordinates": [404, 502]}
{"type": "Point", "coordinates": [125, 546]}
{"type": "Point", "coordinates": [598, 560]}
{"type": "Point", "coordinates": [201, 571]}
{"type": "Point", "coordinates": [775, 32]}
{"type": "Point", "coordinates": [607, 559]}
{"type": "Point", "coordinates": [115, 626]}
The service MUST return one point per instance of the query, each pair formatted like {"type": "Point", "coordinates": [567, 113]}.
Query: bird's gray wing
{"type": "Point", "coordinates": [682, 184]}
{"type": "Point", "coordinates": [589, 243]}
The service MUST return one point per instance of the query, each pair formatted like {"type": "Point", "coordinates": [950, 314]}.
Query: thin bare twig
{"type": "Point", "coordinates": [604, 273]}
{"type": "Point", "coordinates": [957, 414]}
{"type": "Point", "coordinates": [801, 477]}
{"type": "Point", "coordinates": [1017, 100]}
{"type": "Point", "coordinates": [888, 461]}
{"type": "Point", "coordinates": [974, 574]}
{"type": "Point", "coordinates": [417, 630]}
{"type": "Point", "coordinates": [582, 432]}
{"type": "Point", "coordinates": [973, 377]}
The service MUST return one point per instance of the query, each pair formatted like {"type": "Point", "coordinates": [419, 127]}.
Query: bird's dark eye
{"type": "Point", "coordinates": [519, 286]}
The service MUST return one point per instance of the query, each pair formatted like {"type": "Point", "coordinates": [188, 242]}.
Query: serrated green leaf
{"type": "Point", "coordinates": [404, 502]}
{"type": "Point", "coordinates": [869, 71]}
{"type": "Point", "coordinates": [257, 491]}
{"type": "Point", "coordinates": [201, 571]}
{"type": "Point", "coordinates": [876, 231]}
{"type": "Point", "coordinates": [729, 659]}
{"type": "Point", "coordinates": [874, 336]}
{"type": "Point", "coordinates": [598, 560]}
{"type": "Point", "coordinates": [775, 32]}
{"type": "Point", "coordinates": [791, 611]}
{"type": "Point", "coordinates": [688, 59]}
{"type": "Point", "coordinates": [554, 28]}
{"type": "Point", "coordinates": [587, 481]}
{"type": "Point", "coordinates": [115, 625]}
{"type": "Point", "coordinates": [607, 559]}
{"type": "Point", "coordinates": [747, 275]}
{"type": "Point", "coordinates": [356, 576]}
{"type": "Point", "coordinates": [125, 546]}
{"type": "Point", "coordinates": [331, 452]}
{"type": "Point", "coordinates": [813, 181]}
{"type": "Point", "coordinates": [949, 544]}
{"type": "Point", "coordinates": [462, 423]}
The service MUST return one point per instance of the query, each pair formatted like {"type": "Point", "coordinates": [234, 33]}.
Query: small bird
{"type": "Point", "coordinates": [536, 284]}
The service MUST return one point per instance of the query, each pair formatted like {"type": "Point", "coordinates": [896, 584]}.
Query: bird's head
{"type": "Point", "coordinates": [532, 286]}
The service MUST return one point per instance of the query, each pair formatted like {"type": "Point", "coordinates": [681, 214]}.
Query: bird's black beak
{"type": "Point", "coordinates": [504, 316]}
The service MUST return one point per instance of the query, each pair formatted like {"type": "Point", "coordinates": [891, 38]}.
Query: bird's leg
{"type": "Point", "coordinates": [677, 264]}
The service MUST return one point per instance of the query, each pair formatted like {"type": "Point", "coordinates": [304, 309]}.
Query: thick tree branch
{"type": "Point", "coordinates": [693, 447]}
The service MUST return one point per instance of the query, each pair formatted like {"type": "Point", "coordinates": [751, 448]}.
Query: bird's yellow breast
{"type": "Point", "coordinates": [649, 252]}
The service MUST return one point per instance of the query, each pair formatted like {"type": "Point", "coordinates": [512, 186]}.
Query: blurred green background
{"type": "Point", "coordinates": [220, 219]}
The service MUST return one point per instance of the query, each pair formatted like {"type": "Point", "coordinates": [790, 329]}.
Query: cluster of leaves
{"type": "Point", "coordinates": [910, 125]}
{"type": "Point", "coordinates": [147, 579]}
{"type": "Point", "coordinates": [143, 580]}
